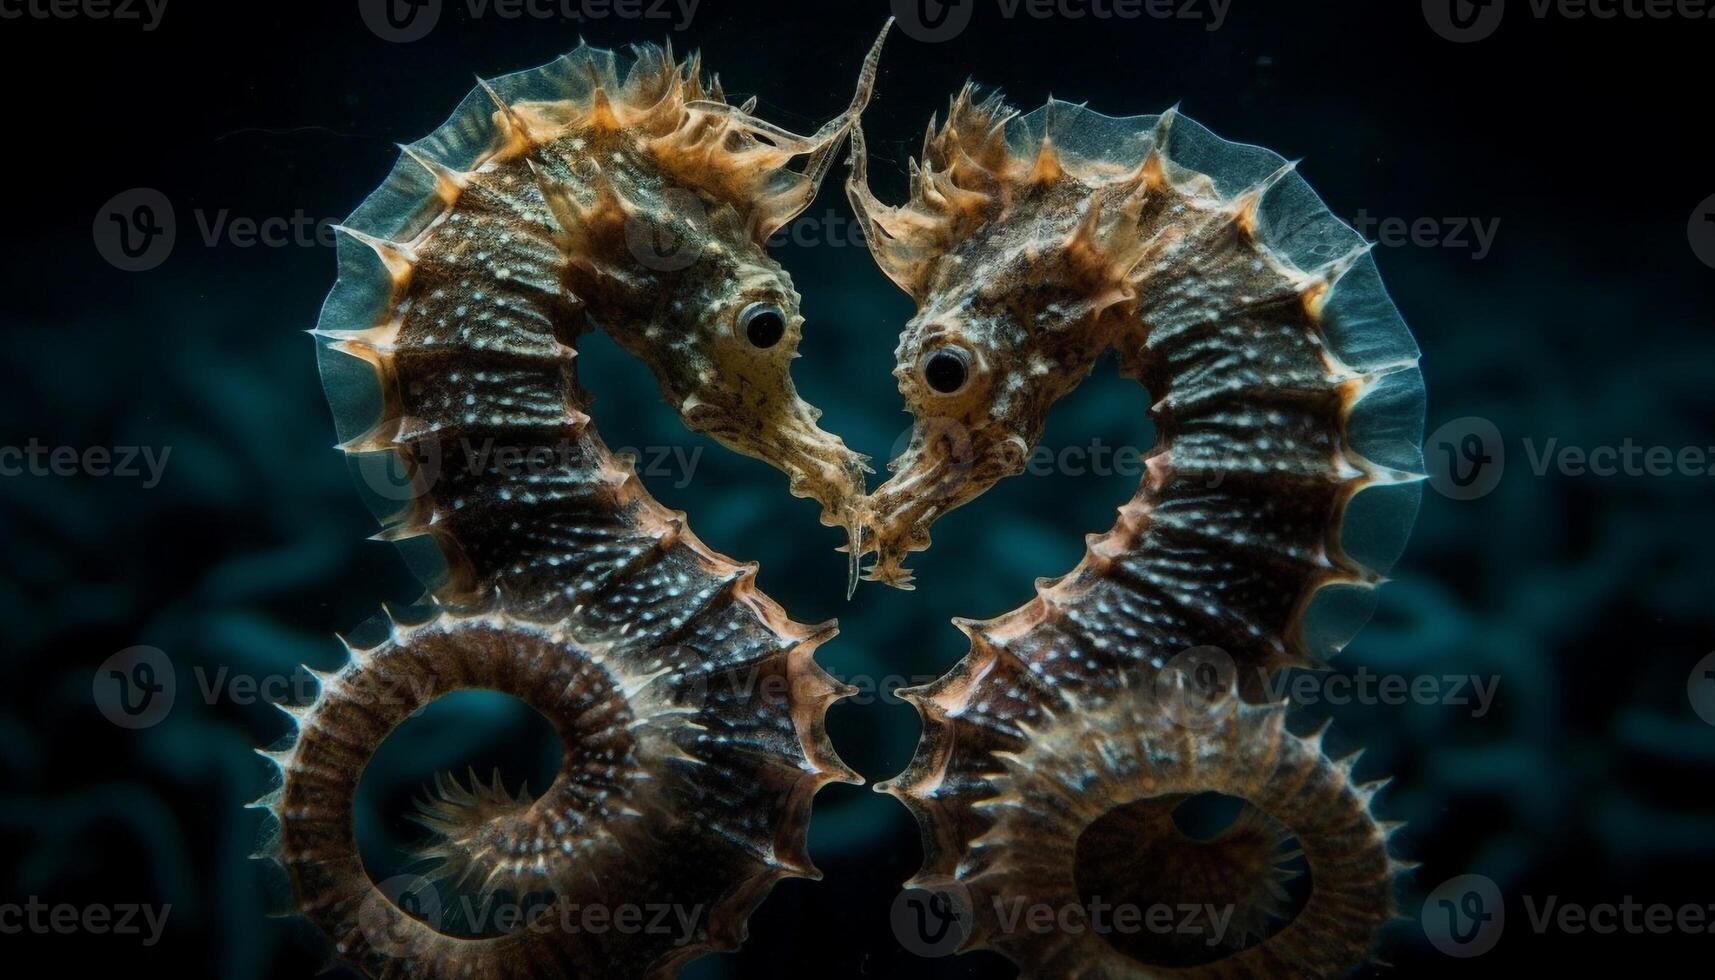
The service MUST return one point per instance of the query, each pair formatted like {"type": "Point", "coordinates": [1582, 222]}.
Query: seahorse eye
{"type": "Point", "coordinates": [763, 324]}
{"type": "Point", "coordinates": [946, 371]}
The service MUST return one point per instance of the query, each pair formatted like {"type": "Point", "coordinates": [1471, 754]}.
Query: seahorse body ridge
{"type": "Point", "coordinates": [575, 197]}
{"type": "Point", "coordinates": [1285, 477]}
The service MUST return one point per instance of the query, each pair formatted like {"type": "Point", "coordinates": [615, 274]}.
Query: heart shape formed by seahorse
{"type": "Point", "coordinates": [572, 198]}
{"type": "Point", "coordinates": [1289, 411]}
{"type": "Point", "coordinates": [578, 197]}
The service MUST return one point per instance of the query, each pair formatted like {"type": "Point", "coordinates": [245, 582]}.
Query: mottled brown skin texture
{"type": "Point", "coordinates": [691, 709]}
{"type": "Point", "coordinates": [1029, 323]}
{"type": "Point", "coordinates": [643, 215]}
{"type": "Point", "coordinates": [1027, 264]}
{"type": "Point", "coordinates": [674, 790]}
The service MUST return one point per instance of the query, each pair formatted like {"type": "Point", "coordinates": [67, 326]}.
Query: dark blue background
{"type": "Point", "coordinates": [1589, 598]}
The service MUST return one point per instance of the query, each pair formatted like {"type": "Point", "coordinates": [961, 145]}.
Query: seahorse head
{"type": "Point", "coordinates": [1015, 287]}
{"type": "Point", "coordinates": [684, 284]}
{"type": "Point", "coordinates": [663, 197]}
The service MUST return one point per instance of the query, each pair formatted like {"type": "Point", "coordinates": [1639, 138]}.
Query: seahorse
{"type": "Point", "coordinates": [1288, 412]}
{"type": "Point", "coordinates": [690, 708]}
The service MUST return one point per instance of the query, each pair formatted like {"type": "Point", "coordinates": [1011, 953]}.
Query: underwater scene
{"type": "Point", "coordinates": [864, 488]}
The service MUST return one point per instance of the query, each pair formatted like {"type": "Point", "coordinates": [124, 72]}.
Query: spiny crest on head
{"type": "Point", "coordinates": [978, 168]}
{"type": "Point", "coordinates": [960, 183]}
{"type": "Point", "coordinates": [683, 121]}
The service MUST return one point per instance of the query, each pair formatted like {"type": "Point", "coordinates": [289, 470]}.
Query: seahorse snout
{"type": "Point", "coordinates": [946, 464]}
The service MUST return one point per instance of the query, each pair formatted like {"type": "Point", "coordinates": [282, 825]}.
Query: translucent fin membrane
{"type": "Point", "coordinates": [1364, 330]}
{"type": "Point", "coordinates": [405, 204]}
{"type": "Point", "coordinates": [1360, 323]}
